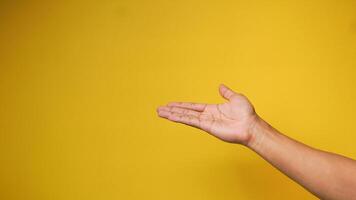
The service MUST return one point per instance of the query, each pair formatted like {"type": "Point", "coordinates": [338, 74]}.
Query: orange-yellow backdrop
{"type": "Point", "coordinates": [80, 82]}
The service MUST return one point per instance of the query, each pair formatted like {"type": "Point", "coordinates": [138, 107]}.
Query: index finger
{"type": "Point", "coordinates": [193, 106]}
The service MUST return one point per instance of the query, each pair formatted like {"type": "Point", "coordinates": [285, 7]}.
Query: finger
{"type": "Point", "coordinates": [180, 118]}
{"type": "Point", "coordinates": [163, 113]}
{"type": "Point", "coordinates": [185, 119]}
{"type": "Point", "coordinates": [193, 106]}
{"type": "Point", "coordinates": [226, 92]}
{"type": "Point", "coordinates": [179, 110]}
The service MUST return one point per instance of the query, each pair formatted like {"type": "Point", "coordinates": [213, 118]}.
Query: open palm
{"type": "Point", "coordinates": [228, 121]}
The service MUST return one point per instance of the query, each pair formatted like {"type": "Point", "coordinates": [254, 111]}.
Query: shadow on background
{"type": "Point", "coordinates": [247, 179]}
{"type": "Point", "coordinates": [353, 27]}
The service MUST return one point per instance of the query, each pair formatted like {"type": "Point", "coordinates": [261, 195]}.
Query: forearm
{"type": "Point", "coordinates": [327, 175]}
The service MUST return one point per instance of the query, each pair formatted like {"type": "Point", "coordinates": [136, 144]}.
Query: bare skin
{"type": "Point", "coordinates": [326, 175]}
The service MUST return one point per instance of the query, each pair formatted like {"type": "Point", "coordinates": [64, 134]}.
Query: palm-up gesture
{"type": "Point", "coordinates": [230, 121]}
{"type": "Point", "coordinates": [326, 175]}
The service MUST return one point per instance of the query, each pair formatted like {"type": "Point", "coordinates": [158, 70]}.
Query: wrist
{"type": "Point", "coordinates": [257, 131]}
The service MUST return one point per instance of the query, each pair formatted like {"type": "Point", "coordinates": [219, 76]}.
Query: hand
{"type": "Point", "coordinates": [231, 121]}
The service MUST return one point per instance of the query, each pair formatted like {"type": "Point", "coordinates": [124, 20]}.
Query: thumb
{"type": "Point", "coordinates": [226, 92]}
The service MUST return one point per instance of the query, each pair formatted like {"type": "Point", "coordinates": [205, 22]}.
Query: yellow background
{"type": "Point", "coordinates": [80, 82]}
